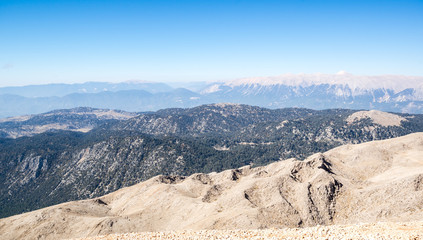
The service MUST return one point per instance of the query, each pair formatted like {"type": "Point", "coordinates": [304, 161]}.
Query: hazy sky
{"type": "Point", "coordinates": [176, 40]}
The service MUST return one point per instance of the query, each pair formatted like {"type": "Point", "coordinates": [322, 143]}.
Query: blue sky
{"type": "Point", "coordinates": [79, 41]}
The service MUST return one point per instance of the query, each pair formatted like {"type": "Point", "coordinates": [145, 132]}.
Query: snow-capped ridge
{"type": "Point", "coordinates": [211, 89]}
{"type": "Point", "coordinates": [356, 83]}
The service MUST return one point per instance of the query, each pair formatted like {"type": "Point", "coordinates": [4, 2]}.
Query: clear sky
{"type": "Point", "coordinates": [77, 41]}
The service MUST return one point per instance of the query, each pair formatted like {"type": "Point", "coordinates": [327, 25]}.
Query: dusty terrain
{"type": "Point", "coordinates": [409, 230]}
{"type": "Point", "coordinates": [352, 184]}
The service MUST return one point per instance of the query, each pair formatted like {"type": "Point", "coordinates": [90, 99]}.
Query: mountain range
{"type": "Point", "coordinates": [81, 153]}
{"type": "Point", "coordinates": [390, 93]}
{"type": "Point", "coordinates": [364, 183]}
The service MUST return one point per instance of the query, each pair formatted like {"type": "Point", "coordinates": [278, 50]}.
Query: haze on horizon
{"type": "Point", "coordinates": [50, 41]}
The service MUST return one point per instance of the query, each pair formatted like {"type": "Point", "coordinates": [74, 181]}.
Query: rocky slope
{"type": "Point", "coordinates": [369, 182]}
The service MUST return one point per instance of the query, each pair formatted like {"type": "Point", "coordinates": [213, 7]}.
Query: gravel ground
{"type": "Point", "coordinates": [410, 230]}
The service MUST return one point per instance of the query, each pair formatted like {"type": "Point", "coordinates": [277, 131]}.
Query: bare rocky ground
{"type": "Point", "coordinates": [380, 230]}
{"type": "Point", "coordinates": [382, 118]}
{"type": "Point", "coordinates": [353, 185]}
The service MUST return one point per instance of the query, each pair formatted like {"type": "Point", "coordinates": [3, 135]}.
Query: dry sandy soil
{"type": "Point", "coordinates": [349, 185]}
{"type": "Point", "coordinates": [409, 230]}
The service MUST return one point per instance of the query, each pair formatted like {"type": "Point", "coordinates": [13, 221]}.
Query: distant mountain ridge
{"type": "Point", "coordinates": [403, 94]}
{"type": "Point", "coordinates": [60, 89]}
{"type": "Point", "coordinates": [356, 83]}
{"type": "Point", "coordinates": [322, 91]}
